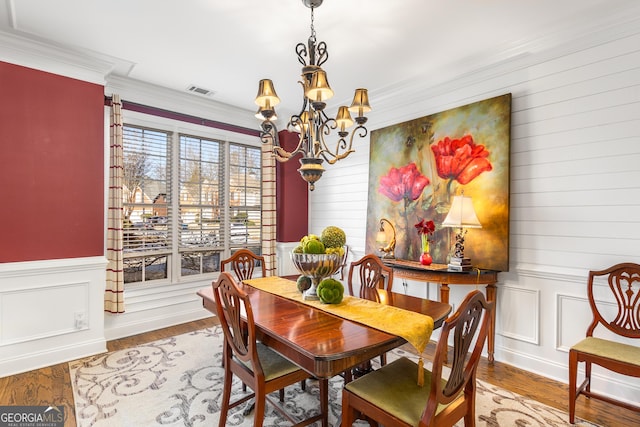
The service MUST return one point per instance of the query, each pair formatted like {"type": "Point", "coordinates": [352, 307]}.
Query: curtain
{"type": "Point", "coordinates": [269, 209]}
{"type": "Point", "coordinates": [114, 294]}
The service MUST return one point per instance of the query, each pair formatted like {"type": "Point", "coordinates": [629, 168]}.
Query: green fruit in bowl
{"type": "Point", "coordinates": [330, 291]}
{"type": "Point", "coordinates": [303, 283]}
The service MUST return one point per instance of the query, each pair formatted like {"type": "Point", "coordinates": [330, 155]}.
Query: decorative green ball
{"type": "Point", "coordinates": [330, 291]}
{"type": "Point", "coordinates": [313, 246]}
{"type": "Point", "coordinates": [333, 237]}
{"type": "Point", "coordinates": [303, 283]}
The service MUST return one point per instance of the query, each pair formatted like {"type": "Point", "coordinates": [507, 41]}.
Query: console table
{"type": "Point", "coordinates": [439, 273]}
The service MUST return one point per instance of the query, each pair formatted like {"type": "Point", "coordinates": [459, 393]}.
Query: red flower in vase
{"type": "Point", "coordinates": [403, 183]}
{"type": "Point", "coordinates": [460, 159]}
{"type": "Point", "coordinates": [425, 227]}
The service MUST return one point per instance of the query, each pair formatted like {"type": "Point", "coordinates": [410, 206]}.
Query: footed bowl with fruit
{"type": "Point", "coordinates": [316, 267]}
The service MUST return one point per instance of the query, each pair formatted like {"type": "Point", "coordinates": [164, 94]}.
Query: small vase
{"type": "Point", "coordinates": [425, 258]}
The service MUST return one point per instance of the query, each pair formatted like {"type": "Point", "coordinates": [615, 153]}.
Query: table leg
{"type": "Point", "coordinates": [491, 297]}
{"type": "Point", "coordinates": [324, 401]}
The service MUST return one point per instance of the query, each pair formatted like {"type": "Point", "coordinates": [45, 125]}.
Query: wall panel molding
{"type": "Point", "coordinates": [519, 314]}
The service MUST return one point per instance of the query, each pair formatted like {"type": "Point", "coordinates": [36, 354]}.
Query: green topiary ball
{"type": "Point", "coordinates": [330, 291]}
{"type": "Point", "coordinates": [333, 237]}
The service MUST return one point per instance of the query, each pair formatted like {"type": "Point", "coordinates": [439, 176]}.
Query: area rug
{"type": "Point", "coordinates": [178, 382]}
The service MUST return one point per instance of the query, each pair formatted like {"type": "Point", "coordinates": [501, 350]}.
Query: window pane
{"type": "Point", "coordinates": [199, 262]}
{"type": "Point", "coordinates": [201, 199]}
{"type": "Point", "coordinates": [144, 269]}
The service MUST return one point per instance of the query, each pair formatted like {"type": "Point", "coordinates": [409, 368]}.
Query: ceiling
{"type": "Point", "coordinates": [227, 46]}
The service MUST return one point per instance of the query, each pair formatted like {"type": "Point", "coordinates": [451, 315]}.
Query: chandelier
{"type": "Point", "coordinates": [312, 123]}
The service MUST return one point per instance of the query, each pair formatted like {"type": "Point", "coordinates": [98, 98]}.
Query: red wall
{"type": "Point", "coordinates": [292, 196]}
{"type": "Point", "coordinates": [51, 166]}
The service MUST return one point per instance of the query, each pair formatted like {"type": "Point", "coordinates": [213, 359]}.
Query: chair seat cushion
{"type": "Point", "coordinates": [394, 388]}
{"type": "Point", "coordinates": [273, 363]}
{"type": "Point", "coordinates": [610, 349]}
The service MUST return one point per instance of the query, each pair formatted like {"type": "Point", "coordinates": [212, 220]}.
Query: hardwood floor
{"type": "Point", "coordinates": [52, 385]}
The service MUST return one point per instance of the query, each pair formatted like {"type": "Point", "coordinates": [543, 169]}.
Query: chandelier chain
{"type": "Point", "coordinates": [313, 29]}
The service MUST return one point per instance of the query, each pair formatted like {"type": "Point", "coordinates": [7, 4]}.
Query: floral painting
{"type": "Point", "coordinates": [417, 167]}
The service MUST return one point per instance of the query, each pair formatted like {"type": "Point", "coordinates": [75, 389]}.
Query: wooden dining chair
{"type": "Point", "coordinates": [617, 286]}
{"type": "Point", "coordinates": [372, 275]}
{"type": "Point", "coordinates": [257, 366]}
{"type": "Point", "coordinates": [391, 395]}
{"type": "Point", "coordinates": [243, 263]}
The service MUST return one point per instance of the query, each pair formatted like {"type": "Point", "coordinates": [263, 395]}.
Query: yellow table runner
{"type": "Point", "coordinates": [414, 327]}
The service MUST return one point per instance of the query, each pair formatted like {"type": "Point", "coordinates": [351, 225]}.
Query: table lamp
{"type": "Point", "coordinates": [381, 238]}
{"type": "Point", "coordinates": [461, 216]}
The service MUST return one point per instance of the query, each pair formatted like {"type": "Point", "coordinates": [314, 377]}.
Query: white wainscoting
{"type": "Point", "coordinates": [50, 312]}
{"type": "Point", "coordinates": [154, 307]}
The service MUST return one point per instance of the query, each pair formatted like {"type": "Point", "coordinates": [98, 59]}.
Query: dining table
{"type": "Point", "coordinates": [322, 343]}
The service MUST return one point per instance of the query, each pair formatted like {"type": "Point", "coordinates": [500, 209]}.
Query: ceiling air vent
{"type": "Point", "coordinates": [200, 90]}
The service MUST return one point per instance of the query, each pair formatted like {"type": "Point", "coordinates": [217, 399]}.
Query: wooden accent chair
{"type": "Point", "coordinates": [258, 366]}
{"type": "Point", "coordinates": [623, 290]}
{"type": "Point", "coordinates": [243, 263]}
{"type": "Point", "coordinates": [391, 395]}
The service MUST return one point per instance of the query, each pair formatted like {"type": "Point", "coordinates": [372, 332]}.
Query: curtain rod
{"type": "Point", "coordinates": [146, 109]}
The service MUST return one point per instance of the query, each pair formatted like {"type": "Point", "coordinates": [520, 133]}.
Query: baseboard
{"type": "Point", "coordinates": [52, 356]}
{"type": "Point", "coordinates": [121, 327]}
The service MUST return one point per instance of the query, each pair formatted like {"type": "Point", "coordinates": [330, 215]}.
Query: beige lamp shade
{"type": "Point", "coordinates": [267, 97]}
{"type": "Point", "coordinates": [319, 89]}
{"type": "Point", "coordinates": [462, 214]}
{"type": "Point", "coordinates": [343, 119]}
{"type": "Point", "coordinates": [360, 104]}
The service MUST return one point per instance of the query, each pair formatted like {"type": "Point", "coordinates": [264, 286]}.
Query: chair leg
{"type": "Point", "coordinates": [258, 414]}
{"type": "Point", "coordinates": [303, 385]}
{"type": "Point", "coordinates": [281, 394]}
{"type": "Point", "coordinates": [348, 413]}
{"type": "Point", "coordinates": [573, 373]}
{"type": "Point", "coordinates": [587, 374]}
{"type": "Point", "coordinates": [470, 414]}
{"type": "Point", "coordinates": [226, 398]}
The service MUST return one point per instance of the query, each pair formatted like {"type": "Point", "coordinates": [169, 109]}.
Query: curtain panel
{"type": "Point", "coordinates": [114, 293]}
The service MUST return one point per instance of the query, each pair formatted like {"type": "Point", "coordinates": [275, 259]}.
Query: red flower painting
{"type": "Point", "coordinates": [460, 159]}
{"type": "Point", "coordinates": [405, 183]}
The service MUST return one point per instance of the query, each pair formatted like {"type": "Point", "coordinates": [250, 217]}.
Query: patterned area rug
{"type": "Point", "coordinates": [178, 382]}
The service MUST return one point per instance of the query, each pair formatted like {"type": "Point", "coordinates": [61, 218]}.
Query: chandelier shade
{"type": "Point", "coordinates": [267, 97]}
{"type": "Point", "coordinates": [312, 123]}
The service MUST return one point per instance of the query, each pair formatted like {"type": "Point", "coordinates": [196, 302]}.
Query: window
{"type": "Point", "coordinates": [185, 205]}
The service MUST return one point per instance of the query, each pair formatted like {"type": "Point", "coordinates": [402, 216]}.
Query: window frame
{"type": "Point", "coordinates": [176, 128]}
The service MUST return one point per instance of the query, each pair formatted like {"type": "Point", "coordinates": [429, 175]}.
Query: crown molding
{"type": "Point", "coordinates": [34, 53]}
{"type": "Point", "coordinates": [173, 100]}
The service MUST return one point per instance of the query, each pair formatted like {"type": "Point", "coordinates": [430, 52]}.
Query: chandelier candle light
{"type": "Point", "coordinates": [312, 122]}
